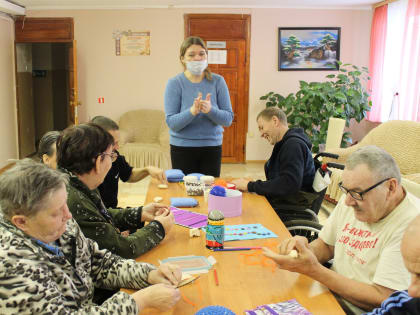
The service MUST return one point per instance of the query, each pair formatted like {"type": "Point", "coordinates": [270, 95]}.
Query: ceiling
{"type": "Point", "coordinates": [130, 4]}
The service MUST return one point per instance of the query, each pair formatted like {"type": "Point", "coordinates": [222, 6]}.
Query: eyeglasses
{"type": "Point", "coordinates": [358, 195]}
{"type": "Point", "coordinates": [113, 155]}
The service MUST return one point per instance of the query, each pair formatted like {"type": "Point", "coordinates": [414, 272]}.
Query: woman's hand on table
{"type": "Point", "coordinates": [152, 210]}
{"type": "Point", "coordinates": [161, 296]}
{"type": "Point", "coordinates": [156, 172]}
{"type": "Point", "coordinates": [166, 273]}
{"type": "Point", "coordinates": [167, 219]}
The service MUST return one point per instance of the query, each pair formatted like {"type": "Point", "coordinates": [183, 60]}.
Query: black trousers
{"type": "Point", "coordinates": [204, 160]}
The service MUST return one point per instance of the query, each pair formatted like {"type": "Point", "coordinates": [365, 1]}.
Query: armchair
{"type": "Point", "coordinates": [145, 138]}
{"type": "Point", "coordinates": [400, 139]}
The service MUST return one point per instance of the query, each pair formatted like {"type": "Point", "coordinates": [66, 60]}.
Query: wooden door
{"type": "Point", "coordinates": [45, 30]}
{"type": "Point", "coordinates": [73, 84]}
{"type": "Point", "coordinates": [233, 32]}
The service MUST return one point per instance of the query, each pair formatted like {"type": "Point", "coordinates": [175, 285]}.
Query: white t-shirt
{"type": "Point", "coordinates": [370, 253]}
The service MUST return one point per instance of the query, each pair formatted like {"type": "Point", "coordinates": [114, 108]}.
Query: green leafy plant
{"type": "Point", "coordinates": [343, 96]}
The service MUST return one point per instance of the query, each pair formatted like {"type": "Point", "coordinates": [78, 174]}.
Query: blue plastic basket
{"type": "Point", "coordinates": [215, 310]}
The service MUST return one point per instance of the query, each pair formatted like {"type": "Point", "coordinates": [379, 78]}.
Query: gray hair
{"type": "Point", "coordinates": [26, 187]}
{"type": "Point", "coordinates": [105, 122]}
{"type": "Point", "coordinates": [272, 111]}
{"type": "Point", "coordinates": [377, 160]}
{"type": "Point", "coordinates": [46, 143]}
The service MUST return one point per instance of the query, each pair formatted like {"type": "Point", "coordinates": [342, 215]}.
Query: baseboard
{"type": "Point", "coordinates": [255, 161]}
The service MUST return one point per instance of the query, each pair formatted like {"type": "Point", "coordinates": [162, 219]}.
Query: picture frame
{"type": "Point", "coordinates": [308, 48]}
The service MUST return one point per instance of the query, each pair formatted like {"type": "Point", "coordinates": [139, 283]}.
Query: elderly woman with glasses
{"type": "Point", "coordinates": [48, 266]}
{"type": "Point", "coordinates": [363, 235]}
{"type": "Point", "coordinates": [85, 153]}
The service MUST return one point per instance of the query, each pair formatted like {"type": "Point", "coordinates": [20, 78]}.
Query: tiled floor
{"type": "Point", "coordinates": [134, 194]}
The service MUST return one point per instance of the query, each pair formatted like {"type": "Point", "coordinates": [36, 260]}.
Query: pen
{"type": "Point", "coordinates": [230, 249]}
{"type": "Point", "coordinates": [216, 279]}
{"type": "Point", "coordinates": [250, 247]}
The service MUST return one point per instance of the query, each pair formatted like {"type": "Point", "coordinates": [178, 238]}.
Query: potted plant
{"type": "Point", "coordinates": [344, 96]}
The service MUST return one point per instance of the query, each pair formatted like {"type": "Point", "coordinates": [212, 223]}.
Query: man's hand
{"type": "Point", "coordinates": [166, 218]}
{"type": "Point", "coordinates": [306, 262]}
{"type": "Point", "coordinates": [205, 105]}
{"type": "Point", "coordinates": [166, 273]}
{"type": "Point", "coordinates": [241, 184]}
{"type": "Point", "coordinates": [157, 173]}
{"type": "Point", "coordinates": [161, 296]}
{"type": "Point", "coordinates": [150, 211]}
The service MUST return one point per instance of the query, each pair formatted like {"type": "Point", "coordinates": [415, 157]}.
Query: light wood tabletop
{"type": "Point", "coordinates": [246, 278]}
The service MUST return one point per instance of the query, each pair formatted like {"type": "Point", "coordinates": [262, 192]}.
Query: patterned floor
{"type": "Point", "coordinates": [134, 194]}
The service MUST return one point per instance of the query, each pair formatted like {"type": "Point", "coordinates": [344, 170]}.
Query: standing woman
{"type": "Point", "coordinates": [197, 106]}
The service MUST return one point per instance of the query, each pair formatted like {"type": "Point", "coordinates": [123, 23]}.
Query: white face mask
{"type": "Point", "coordinates": [196, 67]}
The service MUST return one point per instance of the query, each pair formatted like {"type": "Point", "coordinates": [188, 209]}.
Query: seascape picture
{"type": "Point", "coordinates": [309, 48]}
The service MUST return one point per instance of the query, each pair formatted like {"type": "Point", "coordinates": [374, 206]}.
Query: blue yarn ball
{"type": "Point", "coordinates": [218, 191]}
{"type": "Point", "coordinates": [215, 310]}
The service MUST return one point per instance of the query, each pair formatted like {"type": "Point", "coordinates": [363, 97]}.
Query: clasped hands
{"type": "Point", "coordinates": [305, 263]}
{"type": "Point", "coordinates": [158, 212]}
{"type": "Point", "coordinates": [201, 105]}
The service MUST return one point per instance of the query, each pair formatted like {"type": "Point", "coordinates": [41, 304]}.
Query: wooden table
{"type": "Point", "coordinates": [244, 283]}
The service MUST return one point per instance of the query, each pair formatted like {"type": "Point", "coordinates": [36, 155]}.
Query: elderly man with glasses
{"type": "Point", "coordinates": [362, 235]}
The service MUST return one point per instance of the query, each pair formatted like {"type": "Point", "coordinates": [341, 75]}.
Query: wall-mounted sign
{"type": "Point", "coordinates": [217, 57]}
{"type": "Point", "coordinates": [214, 44]}
{"type": "Point", "coordinates": [39, 73]}
{"type": "Point", "coordinates": [128, 43]}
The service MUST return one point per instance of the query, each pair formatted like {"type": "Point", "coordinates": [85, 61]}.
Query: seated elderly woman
{"type": "Point", "coordinates": [85, 152]}
{"type": "Point", "coordinates": [47, 265]}
{"type": "Point", "coordinates": [47, 149]}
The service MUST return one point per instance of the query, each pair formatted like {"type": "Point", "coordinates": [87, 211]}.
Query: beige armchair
{"type": "Point", "coordinates": [145, 138]}
{"type": "Point", "coordinates": [399, 138]}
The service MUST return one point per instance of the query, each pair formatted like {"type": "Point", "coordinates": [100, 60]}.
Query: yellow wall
{"type": "Point", "coordinates": [128, 83]}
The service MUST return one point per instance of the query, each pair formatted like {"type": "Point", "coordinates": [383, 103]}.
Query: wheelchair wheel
{"type": "Point", "coordinates": [306, 228]}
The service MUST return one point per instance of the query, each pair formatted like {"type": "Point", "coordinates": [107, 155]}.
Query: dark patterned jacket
{"type": "Point", "coordinates": [105, 225]}
{"type": "Point", "coordinates": [34, 280]}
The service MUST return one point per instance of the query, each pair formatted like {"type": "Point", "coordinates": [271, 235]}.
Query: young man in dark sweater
{"type": "Point", "coordinates": [120, 168]}
{"type": "Point", "coordinates": [290, 170]}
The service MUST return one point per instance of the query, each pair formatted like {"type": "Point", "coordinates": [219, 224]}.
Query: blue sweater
{"type": "Point", "coordinates": [201, 130]}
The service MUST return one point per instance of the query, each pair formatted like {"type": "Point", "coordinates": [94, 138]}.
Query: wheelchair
{"type": "Point", "coordinates": [304, 222]}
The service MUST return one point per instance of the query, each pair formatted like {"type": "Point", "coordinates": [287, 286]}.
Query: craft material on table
{"type": "Point", "coordinates": [186, 279]}
{"type": "Point", "coordinates": [184, 202]}
{"type": "Point", "coordinates": [247, 232]}
{"type": "Point", "coordinates": [189, 219]}
{"type": "Point", "coordinates": [216, 278]}
{"type": "Point", "coordinates": [232, 249]}
{"type": "Point", "coordinates": [191, 264]}
{"type": "Point", "coordinates": [174, 175]}
{"type": "Point", "coordinates": [215, 229]}
{"type": "Point", "coordinates": [230, 204]}
{"type": "Point", "coordinates": [290, 307]}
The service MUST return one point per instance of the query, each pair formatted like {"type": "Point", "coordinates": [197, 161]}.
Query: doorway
{"type": "Point", "coordinates": [42, 80]}
{"type": "Point", "coordinates": [46, 78]}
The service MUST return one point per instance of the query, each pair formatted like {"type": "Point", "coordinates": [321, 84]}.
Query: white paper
{"type": "Point", "coordinates": [217, 57]}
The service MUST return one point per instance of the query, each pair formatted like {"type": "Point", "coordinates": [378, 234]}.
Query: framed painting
{"type": "Point", "coordinates": [309, 48]}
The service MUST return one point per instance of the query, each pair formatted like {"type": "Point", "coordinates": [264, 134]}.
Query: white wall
{"type": "Point", "coordinates": [8, 129]}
